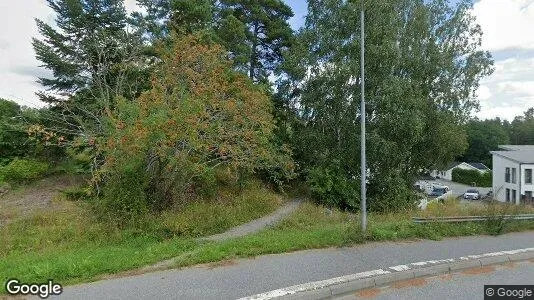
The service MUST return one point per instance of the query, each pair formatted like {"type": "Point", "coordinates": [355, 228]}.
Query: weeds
{"type": "Point", "coordinates": [72, 246]}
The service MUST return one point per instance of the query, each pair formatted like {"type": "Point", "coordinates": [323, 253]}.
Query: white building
{"type": "Point", "coordinates": [512, 174]}
{"type": "Point", "coordinates": [447, 173]}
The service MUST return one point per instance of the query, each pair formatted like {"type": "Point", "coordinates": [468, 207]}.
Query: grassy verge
{"type": "Point", "coordinates": [70, 247]}
{"type": "Point", "coordinates": [316, 227]}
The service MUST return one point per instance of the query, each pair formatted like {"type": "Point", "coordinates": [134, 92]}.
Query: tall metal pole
{"type": "Point", "coordinates": [363, 200]}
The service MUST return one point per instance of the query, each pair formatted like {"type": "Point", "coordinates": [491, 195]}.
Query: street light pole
{"type": "Point", "coordinates": [363, 200]}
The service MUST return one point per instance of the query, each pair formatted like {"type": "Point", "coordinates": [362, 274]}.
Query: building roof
{"type": "Point", "coordinates": [516, 147]}
{"type": "Point", "coordinates": [520, 156]}
{"type": "Point", "coordinates": [480, 166]}
{"type": "Point", "coordinates": [453, 165]}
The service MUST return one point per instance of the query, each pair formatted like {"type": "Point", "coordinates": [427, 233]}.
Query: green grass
{"type": "Point", "coordinates": [71, 246]}
{"type": "Point", "coordinates": [314, 227]}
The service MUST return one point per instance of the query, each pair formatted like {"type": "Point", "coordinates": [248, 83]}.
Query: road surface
{"type": "Point", "coordinates": [468, 285]}
{"type": "Point", "coordinates": [457, 189]}
{"type": "Point", "coordinates": [235, 279]}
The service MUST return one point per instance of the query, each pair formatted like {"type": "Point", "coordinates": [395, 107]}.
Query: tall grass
{"type": "Point", "coordinates": [71, 246]}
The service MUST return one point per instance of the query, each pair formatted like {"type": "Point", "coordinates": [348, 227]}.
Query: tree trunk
{"type": "Point", "coordinates": [253, 54]}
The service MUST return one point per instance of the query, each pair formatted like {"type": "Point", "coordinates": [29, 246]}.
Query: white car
{"type": "Point", "coordinates": [472, 194]}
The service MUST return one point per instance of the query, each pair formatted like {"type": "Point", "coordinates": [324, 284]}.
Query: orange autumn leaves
{"type": "Point", "coordinates": [198, 115]}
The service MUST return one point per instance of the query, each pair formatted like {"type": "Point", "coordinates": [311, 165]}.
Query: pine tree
{"type": "Point", "coordinates": [266, 33]}
{"type": "Point", "coordinates": [255, 33]}
{"type": "Point", "coordinates": [89, 51]}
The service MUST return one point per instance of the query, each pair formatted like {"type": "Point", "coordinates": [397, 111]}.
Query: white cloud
{"type": "Point", "coordinates": [507, 24]}
{"type": "Point", "coordinates": [503, 112]}
{"type": "Point", "coordinates": [16, 52]}
{"type": "Point", "coordinates": [484, 93]}
{"type": "Point", "coordinates": [509, 91]}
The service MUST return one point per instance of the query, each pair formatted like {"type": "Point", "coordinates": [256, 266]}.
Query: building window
{"type": "Point", "coordinates": [507, 195]}
{"type": "Point", "coordinates": [514, 196]}
{"type": "Point", "coordinates": [514, 175]}
{"type": "Point", "coordinates": [528, 197]}
{"type": "Point", "coordinates": [528, 176]}
{"type": "Point", "coordinates": [507, 175]}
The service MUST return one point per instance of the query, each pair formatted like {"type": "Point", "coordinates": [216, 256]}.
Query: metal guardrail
{"type": "Point", "coordinates": [471, 218]}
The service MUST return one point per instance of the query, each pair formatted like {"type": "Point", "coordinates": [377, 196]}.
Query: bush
{"type": "Point", "coordinates": [334, 189]}
{"type": "Point", "coordinates": [123, 200]}
{"type": "Point", "coordinates": [77, 193]}
{"type": "Point", "coordinates": [472, 176]}
{"type": "Point", "coordinates": [389, 193]}
{"type": "Point", "coordinates": [23, 170]}
{"type": "Point", "coordinates": [199, 116]}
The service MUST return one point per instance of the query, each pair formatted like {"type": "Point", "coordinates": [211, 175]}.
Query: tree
{"type": "Point", "coordinates": [483, 137]}
{"type": "Point", "coordinates": [200, 117]}
{"type": "Point", "coordinates": [89, 52]}
{"type": "Point", "coordinates": [255, 33]}
{"type": "Point", "coordinates": [267, 33]}
{"type": "Point", "coordinates": [14, 123]}
{"type": "Point", "coordinates": [423, 65]}
{"type": "Point", "coordinates": [161, 17]}
{"type": "Point", "coordinates": [522, 129]}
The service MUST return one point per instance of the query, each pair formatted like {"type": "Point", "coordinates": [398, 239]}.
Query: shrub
{"type": "Point", "coordinates": [22, 170]}
{"type": "Point", "coordinates": [390, 192]}
{"type": "Point", "coordinates": [334, 189]}
{"type": "Point", "coordinates": [200, 115]}
{"type": "Point", "coordinates": [123, 200]}
{"type": "Point", "coordinates": [472, 176]}
{"type": "Point", "coordinates": [77, 193]}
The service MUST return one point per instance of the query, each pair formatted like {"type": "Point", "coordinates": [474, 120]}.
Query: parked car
{"type": "Point", "coordinates": [440, 193]}
{"type": "Point", "coordinates": [472, 194]}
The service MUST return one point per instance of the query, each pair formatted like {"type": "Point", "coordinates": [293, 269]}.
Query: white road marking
{"type": "Point", "coordinates": [329, 282]}
{"type": "Point", "coordinates": [315, 285]}
{"type": "Point", "coordinates": [400, 268]}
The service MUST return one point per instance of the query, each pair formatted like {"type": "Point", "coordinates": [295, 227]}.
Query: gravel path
{"type": "Point", "coordinates": [239, 231]}
{"type": "Point", "coordinates": [256, 225]}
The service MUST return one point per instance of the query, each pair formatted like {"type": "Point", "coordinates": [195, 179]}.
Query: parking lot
{"type": "Point", "coordinates": [457, 189]}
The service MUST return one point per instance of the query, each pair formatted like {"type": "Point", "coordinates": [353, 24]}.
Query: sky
{"type": "Point", "coordinates": [507, 27]}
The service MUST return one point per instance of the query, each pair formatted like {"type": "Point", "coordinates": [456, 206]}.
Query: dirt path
{"type": "Point", "coordinates": [38, 196]}
{"type": "Point", "coordinates": [256, 225]}
{"type": "Point", "coordinates": [239, 231]}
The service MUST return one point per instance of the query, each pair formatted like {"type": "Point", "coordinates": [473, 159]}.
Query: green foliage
{"type": "Point", "coordinates": [89, 51]}
{"type": "Point", "coordinates": [333, 188]}
{"type": "Point", "coordinates": [77, 193]}
{"type": "Point", "coordinates": [14, 140]}
{"type": "Point", "coordinates": [470, 177]}
{"type": "Point", "coordinates": [23, 170]}
{"type": "Point", "coordinates": [124, 200]}
{"type": "Point", "coordinates": [266, 31]}
{"type": "Point", "coordinates": [188, 16]}
{"type": "Point", "coordinates": [522, 129]}
{"type": "Point", "coordinates": [200, 116]}
{"type": "Point", "coordinates": [423, 67]}
{"type": "Point", "coordinates": [94, 57]}
{"type": "Point", "coordinates": [484, 136]}
{"type": "Point", "coordinates": [255, 33]}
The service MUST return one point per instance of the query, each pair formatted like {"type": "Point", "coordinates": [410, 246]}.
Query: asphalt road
{"type": "Point", "coordinates": [468, 285]}
{"type": "Point", "coordinates": [235, 279]}
{"type": "Point", "coordinates": [457, 189]}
